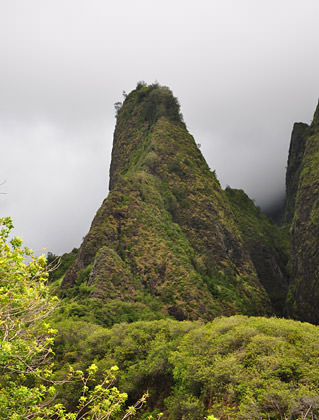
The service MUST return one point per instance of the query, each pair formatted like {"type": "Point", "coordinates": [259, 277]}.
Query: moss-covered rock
{"type": "Point", "coordinates": [296, 153]}
{"type": "Point", "coordinates": [268, 246]}
{"type": "Point", "coordinates": [303, 296]}
{"type": "Point", "coordinates": [167, 229]}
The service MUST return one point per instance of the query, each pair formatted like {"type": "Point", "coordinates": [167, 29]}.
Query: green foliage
{"type": "Point", "coordinates": [25, 337]}
{"type": "Point", "coordinates": [302, 300]}
{"type": "Point", "coordinates": [250, 368]}
{"type": "Point", "coordinates": [169, 242]}
{"type": "Point", "coordinates": [57, 266]}
{"type": "Point", "coordinates": [27, 386]}
{"type": "Point", "coordinates": [117, 106]}
{"type": "Point", "coordinates": [237, 367]}
{"type": "Point", "coordinates": [141, 350]}
{"type": "Point", "coordinates": [159, 102]}
{"type": "Point", "coordinates": [268, 246]}
{"type": "Point", "coordinates": [166, 230]}
{"type": "Point", "coordinates": [296, 152]}
{"type": "Point", "coordinates": [108, 313]}
{"type": "Point", "coordinates": [141, 84]}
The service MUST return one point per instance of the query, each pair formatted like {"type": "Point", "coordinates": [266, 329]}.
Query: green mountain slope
{"type": "Point", "coordinates": [166, 237]}
{"type": "Point", "coordinates": [295, 157]}
{"type": "Point", "coordinates": [267, 244]}
{"type": "Point", "coordinates": [303, 298]}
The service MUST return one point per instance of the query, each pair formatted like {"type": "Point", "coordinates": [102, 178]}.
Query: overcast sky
{"type": "Point", "coordinates": [244, 71]}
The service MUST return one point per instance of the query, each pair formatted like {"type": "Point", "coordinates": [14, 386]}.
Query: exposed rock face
{"type": "Point", "coordinates": [303, 298]}
{"type": "Point", "coordinates": [167, 229]}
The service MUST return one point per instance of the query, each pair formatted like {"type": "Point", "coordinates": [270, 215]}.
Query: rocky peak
{"type": "Point", "coordinates": [142, 108]}
{"type": "Point", "coordinates": [167, 236]}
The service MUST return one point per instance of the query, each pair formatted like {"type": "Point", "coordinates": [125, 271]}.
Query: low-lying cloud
{"type": "Point", "coordinates": [243, 72]}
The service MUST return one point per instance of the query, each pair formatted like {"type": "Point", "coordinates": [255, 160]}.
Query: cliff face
{"type": "Point", "coordinates": [167, 232]}
{"type": "Point", "coordinates": [303, 298]}
{"type": "Point", "coordinates": [296, 153]}
{"type": "Point", "coordinates": [267, 245]}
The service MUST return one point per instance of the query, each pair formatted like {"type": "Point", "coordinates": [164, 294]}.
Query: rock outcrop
{"type": "Point", "coordinates": [167, 232]}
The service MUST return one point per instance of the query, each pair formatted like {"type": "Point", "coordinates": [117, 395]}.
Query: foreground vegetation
{"type": "Point", "coordinates": [27, 384]}
{"type": "Point", "coordinates": [233, 368]}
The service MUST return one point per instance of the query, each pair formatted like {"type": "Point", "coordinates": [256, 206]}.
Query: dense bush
{"type": "Point", "coordinates": [232, 368]}
{"type": "Point", "coordinates": [158, 102]}
{"type": "Point", "coordinates": [27, 385]}
{"type": "Point", "coordinates": [251, 368]}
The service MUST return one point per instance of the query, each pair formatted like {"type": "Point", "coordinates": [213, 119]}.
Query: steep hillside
{"type": "Point", "coordinates": [303, 298]}
{"type": "Point", "coordinates": [166, 240]}
{"type": "Point", "coordinates": [296, 153]}
{"type": "Point", "coordinates": [267, 244]}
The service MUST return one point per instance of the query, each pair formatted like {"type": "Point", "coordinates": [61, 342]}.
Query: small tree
{"type": "Point", "coordinates": [117, 106]}
{"type": "Point", "coordinates": [27, 388]}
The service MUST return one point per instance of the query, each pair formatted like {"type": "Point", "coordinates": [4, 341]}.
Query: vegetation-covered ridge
{"type": "Point", "coordinates": [141, 109]}
{"type": "Point", "coordinates": [295, 157]}
{"type": "Point", "coordinates": [166, 241]}
{"type": "Point", "coordinates": [268, 246]}
{"type": "Point", "coordinates": [303, 297]}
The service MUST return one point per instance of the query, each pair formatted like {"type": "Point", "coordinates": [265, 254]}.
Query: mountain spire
{"type": "Point", "coordinates": [166, 237]}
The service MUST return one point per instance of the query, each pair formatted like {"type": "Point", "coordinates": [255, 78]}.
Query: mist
{"type": "Point", "coordinates": [243, 72]}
